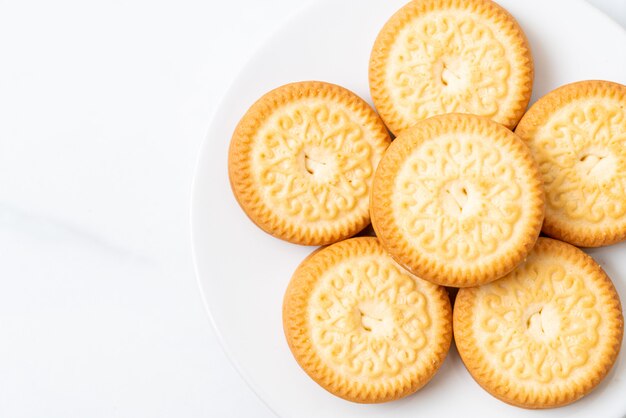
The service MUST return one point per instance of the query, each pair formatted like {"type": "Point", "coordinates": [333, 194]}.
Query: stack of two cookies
{"type": "Point", "coordinates": [457, 200]}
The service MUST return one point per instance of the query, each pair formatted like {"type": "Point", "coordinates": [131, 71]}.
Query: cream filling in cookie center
{"type": "Point", "coordinates": [543, 322]}
{"type": "Point", "coordinates": [450, 75]}
{"type": "Point", "coordinates": [596, 164]}
{"type": "Point", "coordinates": [312, 165]}
{"type": "Point", "coordinates": [317, 165]}
{"type": "Point", "coordinates": [458, 199]}
{"type": "Point", "coordinates": [373, 316]}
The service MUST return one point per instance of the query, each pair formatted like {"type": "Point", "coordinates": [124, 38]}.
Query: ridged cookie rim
{"type": "Point", "coordinates": [536, 117]}
{"type": "Point", "coordinates": [295, 304]}
{"type": "Point", "coordinates": [390, 30]}
{"type": "Point", "coordinates": [239, 170]}
{"type": "Point", "coordinates": [476, 364]}
{"type": "Point", "coordinates": [383, 219]}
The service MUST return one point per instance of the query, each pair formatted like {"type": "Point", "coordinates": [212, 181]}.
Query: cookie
{"type": "Point", "coordinates": [361, 326]}
{"type": "Point", "coordinates": [301, 162]}
{"type": "Point", "coordinates": [546, 334]}
{"type": "Point", "coordinates": [450, 56]}
{"type": "Point", "coordinates": [458, 200]}
{"type": "Point", "coordinates": [577, 134]}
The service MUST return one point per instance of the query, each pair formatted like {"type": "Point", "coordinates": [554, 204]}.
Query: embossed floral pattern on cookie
{"type": "Point", "coordinates": [458, 197]}
{"type": "Point", "coordinates": [553, 323]}
{"type": "Point", "coordinates": [458, 200]}
{"type": "Point", "coordinates": [302, 160]}
{"type": "Point", "coordinates": [577, 133]}
{"type": "Point", "coordinates": [450, 56]}
{"type": "Point", "coordinates": [446, 63]}
{"type": "Point", "coordinates": [557, 320]}
{"type": "Point", "coordinates": [361, 326]}
{"type": "Point", "coordinates": [370, 318]}
{"type": "Point", "coordinates": [313, 160]}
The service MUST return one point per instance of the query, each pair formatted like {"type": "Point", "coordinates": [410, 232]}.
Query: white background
{"type": "Point", "coordinates": [103, 106]}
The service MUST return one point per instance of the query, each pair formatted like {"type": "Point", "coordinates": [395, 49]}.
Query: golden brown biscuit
{"type": "Point", "coordinates": [450, 56]}
{"type": "Point", "coordinates": [361, 326]}
{"type": "Point", "coordinates": [577, 134]}
{"type": "Point", "coordinates": [546, 334]}
{"type": "Point", "coordinates": [458, 200]}
{"type": "Point", "coordinates": [301, 162]}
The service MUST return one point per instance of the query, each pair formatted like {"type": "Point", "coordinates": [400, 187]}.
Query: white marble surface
{"type": "Point", "coordinates": [103, 106]}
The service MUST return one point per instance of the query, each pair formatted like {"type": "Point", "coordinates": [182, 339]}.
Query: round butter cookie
{"type": "Point", "coordinates": [577, 134]}
{"type": "Point", "coordinates": [361, 326]}
{"type": "Point", "coordinates": [546, 334]}
{"type": "Point", "coordinates": [301, 162]}
{"type": "Point", "coordinates": [450, 56]}
{"type": "Point", "coordinates": [458, 200]}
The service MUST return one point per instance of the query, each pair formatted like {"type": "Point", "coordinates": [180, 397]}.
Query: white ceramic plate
{"type": "Point", "coordinates": [243, 272]}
